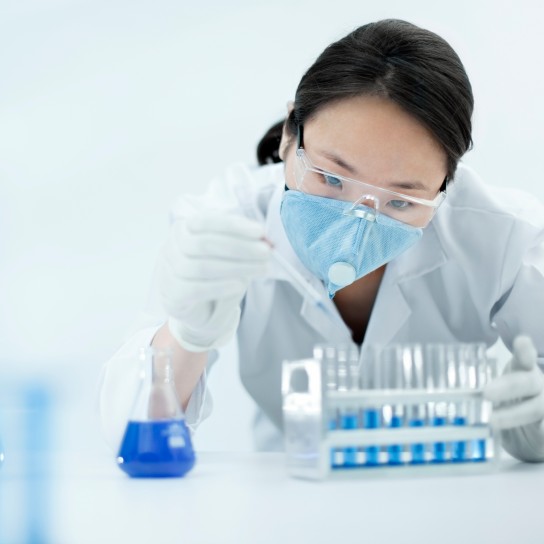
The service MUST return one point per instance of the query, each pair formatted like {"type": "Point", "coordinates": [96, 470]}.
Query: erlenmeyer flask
{"type": "Point", "coordinates": [157, 442]}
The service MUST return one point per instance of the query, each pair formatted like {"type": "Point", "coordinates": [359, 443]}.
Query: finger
{"type": "Point", "coordinates": [215, 269]}
{"type": "Point", "coordinates": [227, 224]}
{"type": "Point", "coordinates": [224, 310]}
{"type": "Point", "coordinates": [225, 247]}
{"type": "Point", "coordinates": [521, 413]}
{"type": "Point", "coordinates": [514, 385]}
{"type": "Point", "coordinates": [185, 295]}
{"type": "Point", "coordinates": [525, 354]}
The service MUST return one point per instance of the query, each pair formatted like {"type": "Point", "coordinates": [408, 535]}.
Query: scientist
{"type": "Point", "coordinates": [361, 190]}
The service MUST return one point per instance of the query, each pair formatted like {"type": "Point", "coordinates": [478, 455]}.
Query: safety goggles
{"type": "Point", "coordinates": [367, 199]}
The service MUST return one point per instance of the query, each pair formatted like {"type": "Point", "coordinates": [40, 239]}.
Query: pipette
{"type": "Point", "coordinates": [302, 285]}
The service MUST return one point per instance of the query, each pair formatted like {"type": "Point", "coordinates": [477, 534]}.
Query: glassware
{"type": "Point", "coordinates": [156, 442]}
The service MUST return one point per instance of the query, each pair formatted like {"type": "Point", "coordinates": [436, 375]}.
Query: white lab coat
{"type": "Point", "coordinates": [477, 274]}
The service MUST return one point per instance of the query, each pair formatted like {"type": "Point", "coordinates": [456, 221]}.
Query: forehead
{"type": "Point", "coordinates": [377, 137]}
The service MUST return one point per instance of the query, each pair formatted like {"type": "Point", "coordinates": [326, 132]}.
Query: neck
{"type": "Point", "coordinates": [355, 302]}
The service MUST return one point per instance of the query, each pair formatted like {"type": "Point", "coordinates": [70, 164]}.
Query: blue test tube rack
{"type": "Point", "coordinates": [393, 445]}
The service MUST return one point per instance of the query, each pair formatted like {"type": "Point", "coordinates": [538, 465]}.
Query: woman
{"type": "Point", "coordinates": [369, 204]}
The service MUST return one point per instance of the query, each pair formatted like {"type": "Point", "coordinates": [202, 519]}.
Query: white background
{"type": "Point", "coordinates": [110, 109]}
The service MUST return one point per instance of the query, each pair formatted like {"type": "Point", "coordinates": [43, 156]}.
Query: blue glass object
{"type": "Point", "coordinates": [349, 421]}
{"type": "Point", "coordinates": [156, 443]}
{"type": "Point", "coordinates": [418, 450]}
{"type": "Point", "coordinates": [371, 420]}
{"type": "Point", "coordinates": [479, 450]}
{"type": "Point", "coordinates": [439, 448]}
{"type": "Point", "coordinates": [156, 449]}
{"type": "Point", "coordinates": [459, 449]}
{"type": "Point", "coordinates": [332, 426]}
{"type": "Point", "coordinates": [395, 450]}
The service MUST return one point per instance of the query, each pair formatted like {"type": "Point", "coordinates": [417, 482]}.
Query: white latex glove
{"type": "Point", "coordinates": [518, 403]}
{"type": "Point", "coordinates": [207, 264]}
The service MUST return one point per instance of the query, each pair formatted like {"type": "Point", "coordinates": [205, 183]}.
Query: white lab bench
{"type": "Point", "coordinates": [248, 498]}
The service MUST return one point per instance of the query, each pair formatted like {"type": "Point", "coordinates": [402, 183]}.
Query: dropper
{"type": "Point", "coordinates": [302, 285]}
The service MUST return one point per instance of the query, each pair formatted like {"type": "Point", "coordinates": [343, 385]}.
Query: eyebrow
{"type": "Point", "coordinates": [413, 185]}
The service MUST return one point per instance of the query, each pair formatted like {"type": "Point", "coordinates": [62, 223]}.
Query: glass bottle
{"type": "Point", "coordinates": [156, 442]}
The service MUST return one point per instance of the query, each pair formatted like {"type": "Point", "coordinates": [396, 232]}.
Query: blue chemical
{"type": "Point", "coordinates": [371, 420]}
{"type": "Point", "coordinates": [439, 448]}
{"type": "Point", "coordinates": [395, 451]}
{"type": "Point", "coordinates": [418, 450]}
{"type": "Point", "coordinates": [156, 449]}
{"type": "Point", "coordinates": [349, 421]}
{"type": "Point", "coordinates": [459, 449]}
{"type": "Point", "coordinates": [332, 427]}
{"type": "Point", "coordinates": [479, 452]}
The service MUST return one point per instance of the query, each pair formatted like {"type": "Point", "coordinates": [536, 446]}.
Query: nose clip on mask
{"type": "Point", "coordinates": [368, 212]}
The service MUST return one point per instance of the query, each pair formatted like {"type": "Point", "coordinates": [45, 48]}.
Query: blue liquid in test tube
{"type": "Point", "coordinates": [371, 420]}
{"type": "Point", "coordinates": [479, 373]}
{"type": "Point", "coordinates": [348, 416]}
{"type": "Point", "coordinates": [393, 379]}
{"type": "Point", "coordinates": [436, 370]}
{"type": "Point", "coordinates": [439, 448]}
{"type": "Point", "coordinates": [413, 367]}
{"type": "Point", "coordinates": [459, 449]}
{"type": "Point", "coordinates": [460, 380]}
{"type": "Point", "coordinates": [394, 452]}
{"type": "Point", "coordinates": [350, 421]}
{"type": "Point", "coordinates": [327, 356]}
{"type": "Point", "coordinates": [370, 378]}
{"type": "Point", "coordinates": [418, 450]}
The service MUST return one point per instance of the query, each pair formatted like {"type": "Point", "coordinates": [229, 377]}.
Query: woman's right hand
{"type": "Point", "coordinates": [206, 267]}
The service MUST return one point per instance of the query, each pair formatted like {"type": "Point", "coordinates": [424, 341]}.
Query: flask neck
{"type": "Point", "coordinates": [159, 366]}
{"type": "Point", "coordinates": [157, 398]}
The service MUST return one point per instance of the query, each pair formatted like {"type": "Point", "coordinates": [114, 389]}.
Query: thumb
{"type": "Point", "coordinates": [525, 354]}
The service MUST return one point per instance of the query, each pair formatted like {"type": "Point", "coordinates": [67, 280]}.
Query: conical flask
{"type": "Point", "coordinates": [156, 442]}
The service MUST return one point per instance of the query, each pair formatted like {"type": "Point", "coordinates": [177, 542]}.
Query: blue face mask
{"type": "Point", "coordinates": [339, 248]}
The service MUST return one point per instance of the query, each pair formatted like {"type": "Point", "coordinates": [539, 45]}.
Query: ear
{"type": "Point", "coordinates": [286, 137]}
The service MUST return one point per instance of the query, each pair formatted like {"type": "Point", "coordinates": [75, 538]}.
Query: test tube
{"type": "Point", "coordinates": [327, 354]}
{"type": "Point", "coordinates": [458, 378]}
{"type": "Point", "coordinates": [348, 416]}
{"type": "Point", "coordinates": [354, 372]}
{"type": "Point", "coordinates": [371, 416]}
{"type": "Point", "coordinates": [477, 370]}
{"type": "Point", "coordinates": [435, 362]}
{"type": "Point", "coordinates": [393, 415]}
{"type": "Point", "coordinates": [413, 372]}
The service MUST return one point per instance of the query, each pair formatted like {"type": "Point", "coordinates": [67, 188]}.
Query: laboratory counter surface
{"type": "Point", "coordinates": [249, 498]}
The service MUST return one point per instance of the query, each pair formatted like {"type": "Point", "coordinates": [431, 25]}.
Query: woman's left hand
{"type": "Point", "coordinates": [518, 395]}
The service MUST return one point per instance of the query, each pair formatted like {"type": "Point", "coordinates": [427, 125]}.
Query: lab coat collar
{"type": "Point", "coordinates": [422, 258]}
{"type": "Point", "coordinates": [391, 309]}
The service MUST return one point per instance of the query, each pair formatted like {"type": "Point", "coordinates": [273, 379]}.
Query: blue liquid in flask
{"type": "Point", "coordinates": [156, 443]}
{"type": "Point", "coordinates": [156, 449]}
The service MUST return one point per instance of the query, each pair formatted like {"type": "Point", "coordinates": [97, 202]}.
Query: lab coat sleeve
{"type": "Point", "coordinates": [521, 311]}
{"type": "Point", "coordinates": [119, 385]}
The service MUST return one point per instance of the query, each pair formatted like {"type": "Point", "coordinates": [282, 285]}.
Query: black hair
{"type": "Point", "coordinates": [411, 66]}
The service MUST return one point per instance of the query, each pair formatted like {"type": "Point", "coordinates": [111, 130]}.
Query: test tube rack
{"type": "Point", "coordinates": [317, 447]}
